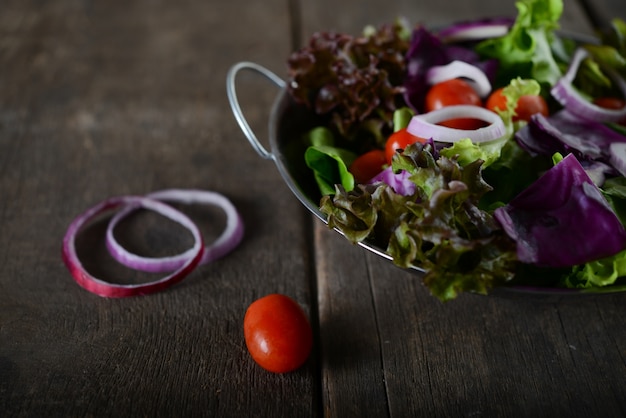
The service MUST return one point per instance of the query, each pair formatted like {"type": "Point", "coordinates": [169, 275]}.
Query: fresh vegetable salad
{"type": "Point", "coordinates": [487, 153]}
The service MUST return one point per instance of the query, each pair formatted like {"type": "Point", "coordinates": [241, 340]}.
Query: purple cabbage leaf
{"type": "Point", "coordinates": [562, 219]}
{"type": "Point", "coordinates": [566, 133]}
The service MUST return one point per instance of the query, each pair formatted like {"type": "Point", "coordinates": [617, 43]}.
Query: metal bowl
{"type": "Point", "coordinates": [287, 120]}
{"type": "Point", "coordinates": [290, 120]}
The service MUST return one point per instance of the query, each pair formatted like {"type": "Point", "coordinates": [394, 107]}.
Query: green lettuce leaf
{"type": "Point", "coordinates": [517, 88]}
{"type": "Point", "coordinates": [402, 117]}
{"type": "Point", "coordinates": [593, 79]}
{"type": "Point", "coordinates": [467, 151]}
{"type": "Point", "coordinates": [330, 167]}
{"type": "Point", "coordinates": [328, 162]}
{"type": "Point", "coordinates": [525, 51]}
{"type": "Point", "coordinates": [353, 214]}
{"type": "Point", "coordinates": [512, 173]}
{"type": "Point", "coordinates": [599, 273]}
{"type": "Point", "coordinates": [612, 51]}
{"type": "Point", "coordinates": [439, 228]}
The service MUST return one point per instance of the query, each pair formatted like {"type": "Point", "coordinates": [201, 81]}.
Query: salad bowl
{"type": "Point", "coordinates": [289, 120]}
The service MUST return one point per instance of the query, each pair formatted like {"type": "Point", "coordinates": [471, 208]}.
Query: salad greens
{"type": "Point", "coordinates": [472, 215]}
{"type": "Point", "coordinates": [439, 227]}
{"type": "Point", "coordinates": [328, 162]}
{"type": "Point", "coordinates": [526, 51]}
{"type": "Point", "coordinates": [355, 81]}
{"type": "Point", "coordinates": [610, 53]}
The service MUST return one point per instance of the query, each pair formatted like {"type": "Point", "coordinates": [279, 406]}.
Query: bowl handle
{"type": "Point", "coordinates": [234, 102]}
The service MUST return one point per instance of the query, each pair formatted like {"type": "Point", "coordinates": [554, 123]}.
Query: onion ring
{"type": "Point", "coordinates": [425, 125]}
{"type": "Point", "coordinates": [226, 242]}
{"type": "Point", "coordinates": [106, 289]}
{"type": "Point", "coordinates": [474, 76]}
{"type": "Point", "coordinates": [565, 93]}
{"type": "Point", "coordinates": [476, 30]}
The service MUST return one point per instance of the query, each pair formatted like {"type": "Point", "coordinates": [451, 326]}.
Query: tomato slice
{"type": "Point", "coordinates": [368, 165]}
{"type": "Point", "coordinates": [526, 105]}
{"type": "Point", "coordinates": [454, 92]}
{"type": "Point", "coordinates": [399, 140]}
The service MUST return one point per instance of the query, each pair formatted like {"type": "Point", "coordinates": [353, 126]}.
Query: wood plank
{"type": "Point", "coordinates": [102, 99]}
{"type": "Point", "coordinates": [352, 16]}
{"type": "Point", "coordinates": [498, 356]}
{"type": "Point", "coordinates": [388, 348]}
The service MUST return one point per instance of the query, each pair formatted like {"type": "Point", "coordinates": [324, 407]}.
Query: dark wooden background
{"type": "Point", "coordinates": [99, 99]}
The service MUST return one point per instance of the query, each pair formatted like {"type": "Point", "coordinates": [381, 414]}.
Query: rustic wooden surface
{"type": "Point", "coordinates": [107, 98]}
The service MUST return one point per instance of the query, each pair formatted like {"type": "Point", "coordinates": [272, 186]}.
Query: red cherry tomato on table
{"type": "Point", "coordinates": [454, 92]}
{"type": "Point", "coordinates": [399, 140]}
{"type": "Point", "coordinates": [277, 333]}
{"type": "Point", "coordinates": [368, 165]}
{"type": "Point", "coordinates": [525, 108]}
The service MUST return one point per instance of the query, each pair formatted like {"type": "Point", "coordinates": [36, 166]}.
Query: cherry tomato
{"type": "Point", "coordinates": [399, 140]}
{"type": "Point", "coordinates": [525, 108]}
{"type": "Point", "coordinates": [496, 100]}
{"type": "Point", "coordinates": [454, 92]}
{"type": "Point", "coordinates": [277, 333]}
{"type": "Point", "coordinates": [609, 102]}
{"type": "Point", "coordinates": [366, 166]}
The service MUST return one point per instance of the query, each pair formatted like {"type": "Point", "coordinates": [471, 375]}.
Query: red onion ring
{"type": "Point", "coordinates": [106, 289]}
{"type": "Point", "coordinates": [474, 76]}
{"type": "Point", "coordinates": [618, 156]}
{"type": "Point", "coordinates": [425, 125]}
{"type": "Point", "coordinates": [226, 242]}
{"type": "Point", "coordinates": [565, 93]}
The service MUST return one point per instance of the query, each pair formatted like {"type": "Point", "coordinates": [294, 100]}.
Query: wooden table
{"type": "Point", "coordinates": [99, 99]}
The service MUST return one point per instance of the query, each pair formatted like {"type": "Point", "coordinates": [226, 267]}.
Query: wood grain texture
{"type": "Point", "coordinates": [352, 16]}
{"type": "Point", "coordinates": [107, 98]}
{"type": "Point", "coordinates": [389, 346]}
{"type": "Point", "coordinates": [99, 99]}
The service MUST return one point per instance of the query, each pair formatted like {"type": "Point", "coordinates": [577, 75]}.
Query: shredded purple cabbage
{"type": "Point", "coordinates": [562, 219]}
{"type": "Point", "coordinates": [567, 133]}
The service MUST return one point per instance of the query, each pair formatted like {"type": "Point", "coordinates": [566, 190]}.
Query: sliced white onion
{"type": "Point", "coordinates": [618, 157]}
{"type": "Point", "coordinates": [107, 289]}
{"type": "Point", "coordinates": [476, 30]}
{"type": "Point", "coordinates": [565, 93]}
{"type": "Point", "coordinates": [229, 239]}
{"type": "Point", "coordinates": [460, 69]}
{"type": "Point", "coordinates": [426, 125]}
